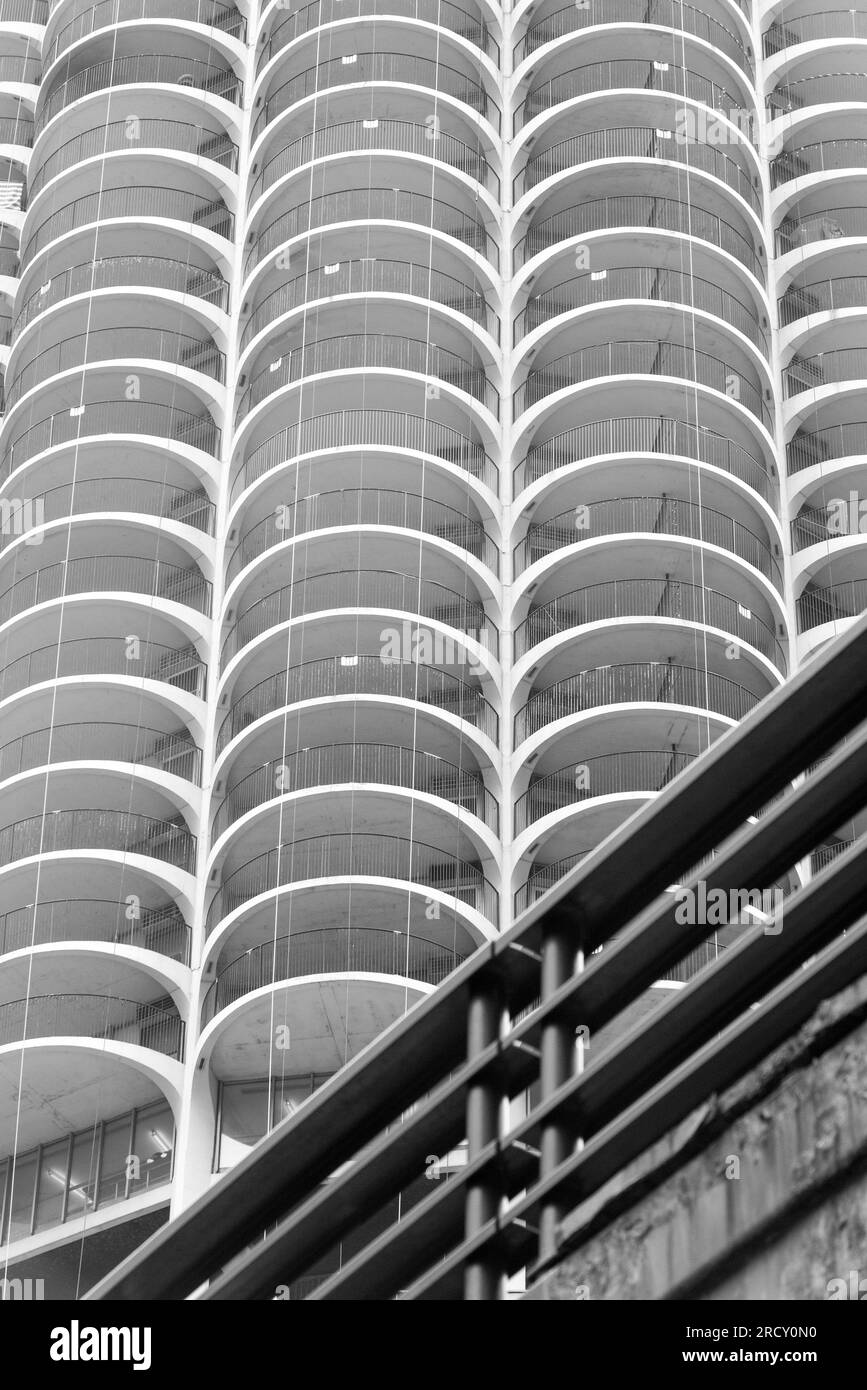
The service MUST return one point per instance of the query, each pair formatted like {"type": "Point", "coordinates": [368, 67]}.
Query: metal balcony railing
{"type": "Point", "coordinates": [332, 951]}
{"type": "Point", "coordinates": [635, 682]}
{"type": "Point", "coordinates": [648, 357]}
{"type": "Point", "coordinates": [128, 342]}
{"type": "Point", "coordinates": [372, 351]}
{"type": "Point", "coordinates": [135, 201]}
{"type": "Point", "coordinates": [832, 604]}
{"type": "Point", "coordinates": [614, 75]}
{"type": "Point", "coordinates": [642, 282]}
{"type": "Point", "coordinates": [832, 442]}
{"type": "Point", "coordinates": [25, 11]}
{"type": "Point", "coordinates": [140, 496]}
{"type": "Point", "coordinates": [376, 764]}
{"type": "Point", "coordinates": [610, 774]}
{"type": "Point", "coordinates": [372, 275]}
{"type": "Point", "coordinates": [404, 68]}
{"type": "Point", "coordinates": [835, 87]}
{"type": "Point", "coordinates": [639, 142]}
{"type": "Point", "coordinates": [84, 574]}
{"type": "Point", "coordinates": [111, 417]}
{"type": "Point", "coordinates": [651, 598]}
{"type": "Point", "coordinates": [818, 158]}
{"type": "Point", "coordinates": [812, 526]}
{"type": "Point", "coordinates": [92, 1016]}
{"type": "Point", "coordinates": [209, 13]}
{"type": "Point", "coordinates": [840, 292]}
{"type": "Point", "coordinates": [160, 929]}
{"type": "Point", "coordinates": [441, 13]}
{"type": "Point", "coordinates": [106, 656]}
{"type": "Point", "coordinates": [140, 69]}
{"type": "Point", "coordinates": [664, 516]}
{"type": "Point", "coordinates": [372, 205]}
{"type": "Point", "coordinates": [16, 130]}
{"type": "Point", "coordinates": [331, 676]}
{"type": "Point", "coordinates": [644, 213]}
{"type": "Point", "coordinates": [362, 588]}
{"type": "Point", "coordinates": [832, 24]}
{"type": "Point", "coordinates": [830, 225]}
{"type": "Point", "coordinates": [104, 741]}
{"type": "Point", "coordinates": [668, 14]}
{"type": "Point", "coordinates": [355, 855]}
{"type": "Point", "coordinates": [542, 878]}
{"type": "Point", "coordinates": [115, 272]}
{"type": "Point", "coordinates": [20, 67]}
{"type": "Point", "coordinates": [364, 507]}
{"type": "Point", "coordinates": [366, 429]}
{"type": "Point", "coordinates": [95, 829]}
{"type": "Point", "coordinates": [153, 133]}
{"type": "Point", "coordinates": [826, 368]}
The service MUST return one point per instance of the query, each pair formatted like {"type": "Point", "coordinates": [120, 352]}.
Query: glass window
{"type": "Point", "coordinates": [82, 1174]}
{"type": "Point", "coordinates": [113, 1172]}
{"type": "Point", "coordinates": [289, 1093]}
{"type": "Point", "coordinates": [52, 1184]}
{"type": "Point", "coordinates": [243, 1119]}
{"type": "Point", "coordinates": [23, 1179]}
{"type": "Point", "coordinates": [153, 1144]}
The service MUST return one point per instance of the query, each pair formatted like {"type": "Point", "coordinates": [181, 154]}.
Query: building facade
{"type": "Point", "coordinates": [427, 427]}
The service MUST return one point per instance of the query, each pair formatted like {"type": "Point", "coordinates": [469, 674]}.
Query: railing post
{"type": "Point", "coordinates": [483, 1277]}
{"type": "Point", "coordinates": [557, 1058]}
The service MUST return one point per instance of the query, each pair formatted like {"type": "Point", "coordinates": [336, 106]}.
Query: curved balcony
{"type": "Point", "coordinates": [373, 276]}
{"type": "Point", "coordinates": [642, 282]}
{"type": "Point", "coordinates": [665, 516]}
{"type": "Point", "coordinates": [209, 13]}
{"type": "Point", "coordinates": [668, 14]}
{"type": "Point", "coordinates": [645, 213]}
{"type": "Point", "coordinates": [644, 434]}
{"type": "Point", "coordinates": [361, 588]}
{"type": "Point", "coordinates": [354, 855]}
{"type": "Point", "coordinates": [833, 604]}
{"type": "Point", "coordinates": [109, 418]}
{"type": "Point", "coordinates": [610, 774]}
{"type": "Point", "coordinates": [408, 69]}
{"type": "Point", "coordinates": [823, 296]}
{"type": "Point", "coordinates": [366, 429]}
{"type": "Point", "coordinates": [333, 676]}
{"type": "Point", "coordinates": [125, 831]}
{"type": "Point", "coordinates": [831, 24]}
{"type": "Point", "coordinates": [618, 74]}
{"type": "Point", "coordinates": [176, 753]}
{"type": "Point", "coordinates": [830, 225]}
{"type": "Point", "coordinates": [648, 357]}
{"type": "Point", "coordinates": [91, 574]}
{"type": "Point", "coordinates": [372, 205]}
{"type": "Point", "coordinates": [634, 682]}
{"type": "Point", "coordinates": [353, 950]}
{"type": "Point", "coordinates": [25, 11]}
{"type": "Point", "coordinates": [376, 764]}
{"type": "Point", "coordinates": [92, 1016]}
{"type": "Point", "coordinates": [648, 598]}
{"type": "Point", "coordinates": [816, 90]}
{"type": "Point", "coordinates": [180, 667]}
{"type": "Point", "coordinates": [139, 69]}
{"type": "Point", "coordinates": [544, 876]}
{"type": "Point", "coordinates": [141, 496]}
{"type": "Point", "coordinates": [16, 130]}
{"type": "Point", "coordinates": [159, 929]}
{"type": "Point", "coordinates": [820, 446]}
{"type": "Point", "coordinates": [813, 526]}
{"type": "Point", "coordinates": [364, 507]}
{"type": "Point", "coordinates": [441, 13]}
{"type": "Point", "coordinates": [373, 352]}
{"type": "Point", "coordinates": [638, 142]}
{"type": "Point", "coordinates": [182, 137]}
{"type": "Point", "coordinates": [131, 341]}
{"type": "Point", "coordinates": [826, 368]}
{"type": "Point", "coordinates": [133, 201]}
{"type": "Point", "coordinates": [820, 157]}
{"type": "Point", "coordinates": [20, 67]}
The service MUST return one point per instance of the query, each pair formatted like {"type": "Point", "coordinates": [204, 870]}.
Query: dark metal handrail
{"type": "Point", "coordinates": [614, 74]}
{"type": "Point", "coordinates": [609, 774]}
{"type": "Point", "coordinates": [113, 272]}
{"type": "Point", "coordinates": [106, 656]}
{"type": "Point", "coordinates": [106, 741]}
{"type": "Point", "coordinates": [832, 604]}
{"type": "Point", "coordinates": [830, 24]}
{"type": "Point", "coordinates": [816, 89]}
{"type": "Point", "coordinates": [820, 446]}
{"type": "Point", "coordinates": [442, 13]}
{"type": "Point", "coordinates": [141, 496]}
{"type": "Point", "coordinates": [151, 133]}
{"type": "Point", "coordinates": [140, 68]}
{"type": "Point", "coordinates": [92, 1016]}
{"type": "Point", "coordinates": [666, 13]}
{"type": "Point", "coordinates": [112, 417]}
{"type": "Point", "coordinates": [833, 366]}
{"type": "Point", "coordinates": [135, 200]}
{"type": "Point", "coordinates": [160, 929]}
{"type": "Point", "coordinates": [818, 157]}
{"type": "Point", "coordinates": [838, 292]}
{"type": "Point", "coordinates": [829, 225]}
{"type": "Point", "coordinates": [89, 828]}
{"type": "Point", "coordinates": [134, 574]}
{"type": "Point", "coordinates": [211, 13]}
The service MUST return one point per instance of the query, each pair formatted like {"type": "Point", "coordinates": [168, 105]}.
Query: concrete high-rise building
{"type": "Point", "coordinates": [427, 427]}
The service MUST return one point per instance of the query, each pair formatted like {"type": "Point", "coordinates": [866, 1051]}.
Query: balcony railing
{"type": "Point", "coordinates": [160, 929]}
{"type": "Point", "coordinates": [818, 158]}
{"type": "Point", "coordinates": [118, 344]}
{"type": "Point", "coordinates": [834, 87]}
{"type": "Point", "coordinates": [362, 588]}
{"type": "Point", "coordinates": [126, 831]}
{"type": "Point", "coordinates": [635, 682]}
{"type": "Point", "coordinates": [92, 1016]}
{"type": "Point", "coordinates": [812, 526]}
{"type": "Point", "coordinates": [105, 741]}
{"type": "Point", "coordinates": [650, 357]}
{"type": "Point", "coordinates": [25, 11]}
{"type": "Point", "coordinates": [19, 67]}
{"type": "Point", "coordinates": [830, 225]}
{"type": "Point", "coordinates": [373, 275]}
{"type": "Point", "coordinates": [638, 142]}
{"type": "Point", "coordinates": [152, 133]}
{"type": "Point", "coordinates": [610, 774]}
{"type": "Point", "coordinates": [331, 676]}
{"type": "Point", "coordinates": [441, 13]}
{"type": "Point", "coordinates": [826, 368]}
{"type": "Point", "coordinates": [819, 446]}
{"type": "Point", "coordinates": [106, 656]}
{"type": "Point", "coordinates": [140, 496]}
{"type": "Point", "coordinates": [404, 68]}
{"type": "Point", "coordinates": [832, 24]}
{"type": "Point", "coordinates": [665, 13]}
{"type": "Point", "coordinates": [132, 574]}
{"type": "Point", "coordinates": [108, 418]}
{"type": "Point", "coordinates": [616, 74]}
{"type": "Point", "coordinates": [664, 516]}
{"type": "Point", "coordinates": [357, 855]}
{"type": "Point", "coordinates": [16, 130]}
{"type": "Point", "coordinates": [835, 603]}
{"type": "Point", "coordinates": [366, 429]}
{"type": "Point", "coordinates": [338, 764]}
{"type": "Point", "coordinates": [841, 292]}
{"type": "Point", "coordinates": [332, 951]}
{"type": "Point", "coordinates": [645, 213]}
{"type": "Point", "coordinates": [140, 68]}
{"type": "Point", "coordinates": [641, 282]}
{"type": "Point", "coordinates": [112, 272]}
{"type": "Point", "coordinates": [110, 12]}
{"type": "Point", "coordinates": [652, 598]}
{"type": "Point", "coordinates": [375, 352]}
{"type": "Point", "coordinates": [364, 507]}
{"type": "Point", "coordinates": [372, 205]}
{"type": "Point", "coordinates": [135, 201]}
